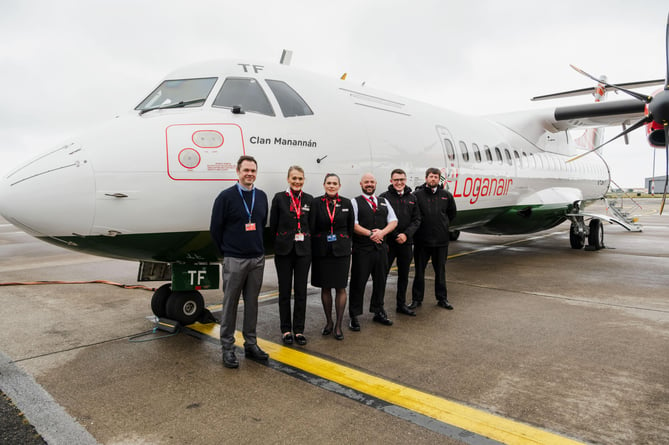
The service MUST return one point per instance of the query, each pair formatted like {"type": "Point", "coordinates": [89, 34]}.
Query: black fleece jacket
{"type": "Point", "coordinates": [437, 210]}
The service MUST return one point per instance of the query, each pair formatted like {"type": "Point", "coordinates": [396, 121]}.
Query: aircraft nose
{"type": "Point", "coordinates": [52, 195]}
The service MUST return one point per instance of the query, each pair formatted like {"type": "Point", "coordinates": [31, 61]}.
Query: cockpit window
{"type": "Point", "coordinates": [179, 93]}
{"type": "Point", "coordinates": [290, 102]}
{"type": "Point", "coordinates": [245, 93]}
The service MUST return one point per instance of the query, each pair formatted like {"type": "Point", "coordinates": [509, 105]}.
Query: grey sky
{"type": "Point", "coordinates": [70, 63]}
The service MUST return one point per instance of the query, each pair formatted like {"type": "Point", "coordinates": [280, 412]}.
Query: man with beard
{"type": "Point", "coordinates": [374, 219]}
{"type": "Point", "coordinates": [400, 241]}
{"type": "Point", "coordinates": [437, 211]}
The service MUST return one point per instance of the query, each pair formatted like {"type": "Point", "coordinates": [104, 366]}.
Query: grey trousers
{"type": "Point", "coordinates": [241, 276]}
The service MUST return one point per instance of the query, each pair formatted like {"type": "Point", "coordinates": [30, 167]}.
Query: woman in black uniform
{"type": "Point", "coordinates": [289, 222]}
{"type": "Point", "coordinates": [332, 222]}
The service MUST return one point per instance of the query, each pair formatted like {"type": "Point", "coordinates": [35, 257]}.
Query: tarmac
{"type": "Point", "coordinates": [546, 345]}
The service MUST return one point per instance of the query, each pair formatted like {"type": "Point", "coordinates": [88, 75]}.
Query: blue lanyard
{"type": "Point", "coordinates": [253, 200]}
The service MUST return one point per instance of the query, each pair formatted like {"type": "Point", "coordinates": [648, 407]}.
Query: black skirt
{"type": "Point", "coordinates": [330, 272]}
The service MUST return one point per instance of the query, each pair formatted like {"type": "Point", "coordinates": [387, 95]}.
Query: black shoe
{"type": "Point", "coordinates": [404, 309]}
{"type": "Point", "coordinates": [414, 304]}
{"type": "Point", "coordinates": [340, 335]}
{"type": "Point", "coordinates": [445, 304]}
{"type": "Point", "coordinates": [326, 330]}
{"type": "Point", "coordinates": [230, 359]}
{"type": "Point", "coordinates": [287, 338]}
{"type": "Point", "coordinates": [381, 317]}
{"type": "Point", "coordinates": [300, 339]}
{"type": "Point", "coordinates": [255, 353]}
{"type": "Point", "coordinates": [353, 324]}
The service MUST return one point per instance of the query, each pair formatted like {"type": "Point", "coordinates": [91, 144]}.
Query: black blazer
{"type": "Point", "coordinates": [283, 224]}
{"type": "Point", "coordinates": [344, 221]}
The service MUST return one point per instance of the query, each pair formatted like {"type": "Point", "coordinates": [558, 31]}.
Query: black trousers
{"type": "Point", "coordinates": [288, 267]}
{"type": "Point", "coordinates": [422, 255]}
{"type": "Point", "coordinates": [403, 253]}
{"type": "Point", "coordinates": [366, 262]}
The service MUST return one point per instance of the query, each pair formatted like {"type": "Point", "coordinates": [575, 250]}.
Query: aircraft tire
{"type": "Point", "coordinates": [576, 240]}
{"type": "Point", "coordinates": [185, 306]}
{"type": "Point", "coordinates": [596, 235]}
{"type": "Point", "coordinates": [159, 300]}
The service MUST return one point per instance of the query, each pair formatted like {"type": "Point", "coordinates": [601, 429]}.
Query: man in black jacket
{"type": "Point", "coordinates": [400, 241]}
{"type": "Point", "coordinates": [437, 209]}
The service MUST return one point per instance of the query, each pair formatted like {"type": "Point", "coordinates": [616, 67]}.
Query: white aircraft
{"type": "Point", "coordinates": [141, 187]}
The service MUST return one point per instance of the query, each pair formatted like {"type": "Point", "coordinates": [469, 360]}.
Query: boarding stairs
{"type": "Point", "coordinates": [621, 217]}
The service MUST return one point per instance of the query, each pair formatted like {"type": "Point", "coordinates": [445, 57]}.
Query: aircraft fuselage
{"type": "Point", "coordinates": [142, 185]}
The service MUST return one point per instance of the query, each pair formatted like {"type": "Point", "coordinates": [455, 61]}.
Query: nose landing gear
{"type": "Point", "coordinates": [186, 307]}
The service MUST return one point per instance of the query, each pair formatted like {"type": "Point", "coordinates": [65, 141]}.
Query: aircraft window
{"type": "Point", "coordinates": [507, 155]}
{"type": "Point", "coordinates": [498, 155]}
{"type": "Point", "coordinates": [290, 102]}
{"type": "Point", "coordinates": [179, 93]}
{"type": "Point", "coordinates": [488, 154]}
{"type": "Point", "coordinates": [516, 156]}
{"type": "Point", "coordinates": [244, 92]}
{"type": "Point", "coordinates": [450, 151]}
{"type": "Point", "coordinates": [477, 152]}
{"type": "Point", "coordinates": [464, 151]}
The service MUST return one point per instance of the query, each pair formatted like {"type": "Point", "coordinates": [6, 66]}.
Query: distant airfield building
{"type": "Point", "coordinates": [659, 184]}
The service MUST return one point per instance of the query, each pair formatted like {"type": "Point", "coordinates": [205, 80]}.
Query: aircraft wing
{"type": "Point", "coordinates": [598, 114]}
{"type": "Point", "coordinates": [532, 124]}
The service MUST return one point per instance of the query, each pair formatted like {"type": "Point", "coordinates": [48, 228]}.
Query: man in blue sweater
{"type": "Point", "coordinates": [237, 222]}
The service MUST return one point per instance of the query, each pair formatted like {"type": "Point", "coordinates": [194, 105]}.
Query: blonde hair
{"type": "Point", "coordinates": [295, 167]}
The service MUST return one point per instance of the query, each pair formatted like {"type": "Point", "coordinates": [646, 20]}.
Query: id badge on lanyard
{"type": "Point", "coordinates": [332, 237]}
{"type": "Point", "coordinates": [297, 205]}
{"type": "Point", "coordinates": [250, 226]}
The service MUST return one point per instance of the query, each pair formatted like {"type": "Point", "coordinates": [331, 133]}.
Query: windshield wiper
{"type": "Point", "coordinates": [176, 105]}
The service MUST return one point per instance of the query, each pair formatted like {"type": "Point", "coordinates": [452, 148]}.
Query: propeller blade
{"type": "Point", "coordinates": [641, 97]}
{"type": "Point", "coordinates": [666, 160]}
{"type": "Point", "coordinates": [638, 124]}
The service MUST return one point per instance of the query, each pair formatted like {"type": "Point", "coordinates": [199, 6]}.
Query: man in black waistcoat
{"type": "Point", "coordinates": [374, 219]}
{"type": "Point", "coordinates": [400, 241]}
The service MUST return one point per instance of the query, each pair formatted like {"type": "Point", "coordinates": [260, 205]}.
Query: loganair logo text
{"type": "Point", "coordinates": [475, 188]}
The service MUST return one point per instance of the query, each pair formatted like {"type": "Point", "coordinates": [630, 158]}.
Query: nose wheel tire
{"type": "Point", "coordinates": [185, 306]}
{"type": "Point", "coordinates": [159, 300]}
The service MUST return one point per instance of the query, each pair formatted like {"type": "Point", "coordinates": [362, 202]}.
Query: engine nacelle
{"type": "Point", "coordinates": [658, 108]}
{"type": "Point", "coordinates": [655, 134]}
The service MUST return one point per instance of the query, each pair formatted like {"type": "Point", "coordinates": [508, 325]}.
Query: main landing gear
{"type": "Point", "coordinates": [579, 232]}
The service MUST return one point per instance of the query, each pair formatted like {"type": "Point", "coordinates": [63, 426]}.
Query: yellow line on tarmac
{"type": "Point", "coordinates": [464, 417]}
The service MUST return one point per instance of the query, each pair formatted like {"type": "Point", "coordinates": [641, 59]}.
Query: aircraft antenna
{"type": "Point", "coordinates": [286, 57]}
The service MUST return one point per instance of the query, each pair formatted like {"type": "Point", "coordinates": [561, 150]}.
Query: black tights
{"type": "Point", "coordinates": [340, 305]}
